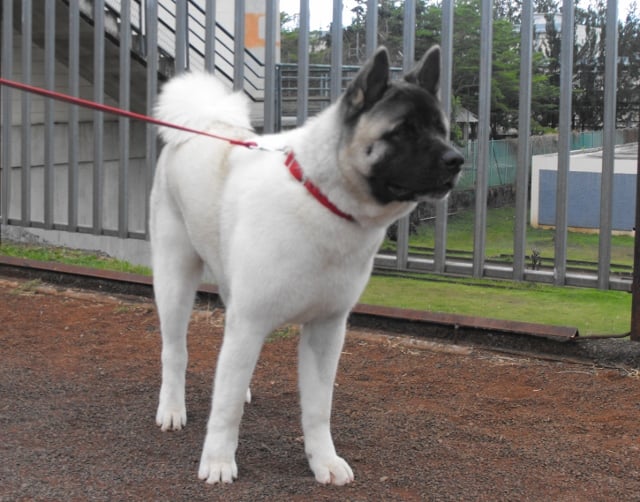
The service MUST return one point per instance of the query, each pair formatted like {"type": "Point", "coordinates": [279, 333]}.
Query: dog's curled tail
{"type": "Point", "coordinates": [198, 100]}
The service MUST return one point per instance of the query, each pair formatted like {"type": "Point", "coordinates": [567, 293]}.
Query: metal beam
{"type": "Point", "coordinates": [25, 141]}
{"type": "Point", "coordinates": [7, 72]}
{"type": "Point", "coordinates": [49, 110]}
{"type": "Point", "coordinates": [182, 45]}
{"type": "Point", "coordinates": [151, 31]}
{"type": "Point", "coordinates": [123, 122]}
{"type": "Point", "coordinates": [303, 63]}
{"type": "Point", "coordinates": [409, 50]}
{"type": "Point", "coordinates": [74, 130]}
{"type": "Point", "coordinates": [210, 37]}
{"type": "Point", "coordinates": [335, 88]}
{"type": "Point", "coordinates": [609, 145]}
{"type": "Point", "coordinates": [635, 287]}
{"type": "Point", "coordinates": [371, 27]}
{"type": "Point", "coordinates": [238, 46]}
{"type": "Point", "coordinates": [564, 142]}
{"type": "Point", "coordinates": [446, 77]}
{"type": "Point", "coordinates": [524, 141]}
{"type": "Point", "coordinates": [272, 24]}
{"type": "Point", "coordinates": [484, 134]}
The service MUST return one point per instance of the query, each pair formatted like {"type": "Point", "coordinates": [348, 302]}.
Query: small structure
{"type": "Point", "coordinates": [468, 123]}
{"type": "Point", "coordinates": [584, 189]}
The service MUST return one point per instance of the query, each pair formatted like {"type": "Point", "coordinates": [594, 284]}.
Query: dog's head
{"type": "Point", "coordinates": [395, 132]}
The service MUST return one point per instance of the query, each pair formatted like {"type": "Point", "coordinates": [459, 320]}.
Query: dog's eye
{"type": "Point", "coordinates": [393, 133]}
{"type": "Point", "coordinates": [404, 129]}
{"type": "Point", "coordinates": [369, 149]}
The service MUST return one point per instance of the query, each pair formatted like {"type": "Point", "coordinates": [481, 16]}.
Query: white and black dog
{"type": "Point", "coordinates": [289, 238]}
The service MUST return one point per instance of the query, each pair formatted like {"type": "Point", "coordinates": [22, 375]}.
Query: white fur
{"type": "Point", "coordinates": [277, 254]}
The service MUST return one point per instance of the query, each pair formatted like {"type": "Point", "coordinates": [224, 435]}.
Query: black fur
{"type": "Point", "coordinates": [418, 160]}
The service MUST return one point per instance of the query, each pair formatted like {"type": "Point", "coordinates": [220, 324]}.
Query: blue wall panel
{"type": "Point", "coordinates": [584, 200]}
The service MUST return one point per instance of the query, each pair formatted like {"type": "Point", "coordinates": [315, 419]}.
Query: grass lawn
{"type": "Point", "coordinates": [591, 311]}
{"type": "Point", "coordinates": [499, 241]}
{"type": "Point", "coordinates": [70, 257]}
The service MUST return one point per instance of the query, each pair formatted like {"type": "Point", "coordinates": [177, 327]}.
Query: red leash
{"type": "Point", "coordinates": [291, 162]}
{"type": "Point", "coordinates": [117, 111]}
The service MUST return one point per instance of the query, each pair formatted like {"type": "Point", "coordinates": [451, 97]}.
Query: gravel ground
{"type": "Point", "coordinates": [417, 420]}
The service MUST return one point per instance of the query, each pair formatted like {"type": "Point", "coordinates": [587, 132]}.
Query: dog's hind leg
{"type": "Point", "coordinates": [241, 347]}
{"type": "Point", "coordinates": [319, 351]}
{"type": "Point", "coordinates": [177, 270]}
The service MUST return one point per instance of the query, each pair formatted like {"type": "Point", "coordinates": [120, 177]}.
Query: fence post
{"type": "Point", "coordinates": [6, 70]}
{"type": "Point", "coordinates": [303, 64]}
{"type": "Point", "coordinates": [238, 45]}
{"type": "Point", "coordinates": [272, 24]}
{"type": "Point", "coordinates": [609, 147]}
{"type": "Point", "coordinates": [524, 142]}
{"type": "Point", "coordinates": [335, 85]}
{"type": "Point", "coordinates": [564, 143]}
{"type": "Point", "coordinates": [484, 130]}
{"type": "Point", "coordinates": [635, 287]}
{"type": "Point", "coordinates": [409, 49]}
{"type": "Point", "coordinates": [442, 206]}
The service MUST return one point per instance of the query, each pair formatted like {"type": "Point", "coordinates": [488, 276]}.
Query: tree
{"type": "Point", "coordinates": [505, 83]}
{"type": "Point", "coordinates": [588, 57]}
{"type": "Point", "coordinates": [629, 69]}
{"type": "Point", "coordinates": [588, 95]}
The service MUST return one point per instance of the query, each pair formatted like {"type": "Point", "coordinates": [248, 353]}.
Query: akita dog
{"type": "Point", "coordinates": [290, 237]}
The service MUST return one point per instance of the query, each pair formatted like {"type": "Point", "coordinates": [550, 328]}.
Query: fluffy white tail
{"type": "Point", "coordinates": [199, 101]}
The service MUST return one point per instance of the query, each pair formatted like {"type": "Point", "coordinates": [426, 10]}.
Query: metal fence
{"type": "Point", "coordinates": [72, 171]}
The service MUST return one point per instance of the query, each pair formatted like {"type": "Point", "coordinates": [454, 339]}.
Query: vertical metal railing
{"type": "Point", "coordinates": [101, 171]}
{"type": "Point", "coordinates": [484, 130]}
{"type": "Point", "coordinates": [302, 98]}
{"type": "Point", "coordinates": [371, 27]}
{"type": "Point", "coordinates": [446, 81]}
{"type": "Point", "coordinates": [181, 52]}
{"type": "Point", "coordinates": [49, 83]}
{"type": "Point", "coordinates": [25, 140]}
{"type": "Point", "coordinates": [609, 145]}
{"type": "Point", "coordinates": [124, 124]}
{"type": "Point", "coordinates": [564, 143]}
{"type": "Point", "coordinates": [239, 29]}
{"type": "Point", "coordinates": [524, 142]}
{"type": "Point", "coordinates": [335, 88]}
{"type": "Point", "coordinates": [6, 97]}
{"type": "Point", "coordinates": [98, 116]}
{"type": "Point", "coordinates": [73, 116]}
{"type": "Point", "coordinates": [408, 50]}
{"type": "Point", "coordinates": [210, 36]}
{"type": "Point", "coordinates": [151, 52]}
{"type": "Point", "coordinates": [271, 23]}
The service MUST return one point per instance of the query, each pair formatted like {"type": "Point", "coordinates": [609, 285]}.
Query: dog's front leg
{"type": "Point", "coordinates": [319, 351]}
{"type": "Point", "coordinates": [237, 360]}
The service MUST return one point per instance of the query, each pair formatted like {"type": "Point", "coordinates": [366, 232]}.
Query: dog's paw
{"type": "Point", "coordinates": [331, 470]}
{"type": "Point", "coordinates": [171, 419]}
{"type": "Point", "coordinates": [217, 471]}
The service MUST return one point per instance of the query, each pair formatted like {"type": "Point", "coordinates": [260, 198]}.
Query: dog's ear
{"type": "Point", "coordinates": [369, 84]}
{"type": "Point", "coordinates": [426, 73]}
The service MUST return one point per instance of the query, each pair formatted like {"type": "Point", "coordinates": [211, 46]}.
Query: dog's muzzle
{"type": "Point", "coordinates": [452, 160]}
{"type": "Point", "coordinates": [449, 168]}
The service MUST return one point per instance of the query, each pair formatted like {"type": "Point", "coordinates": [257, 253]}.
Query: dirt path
{"type": "Point", "coordinates": [79, 375]}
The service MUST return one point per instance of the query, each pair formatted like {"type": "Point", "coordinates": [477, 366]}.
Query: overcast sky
{"type": "Point", "coordinates": [321, 11]}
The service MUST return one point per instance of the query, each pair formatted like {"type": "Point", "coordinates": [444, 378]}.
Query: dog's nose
{"type": "Point", "coordinates": [452, 160]}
